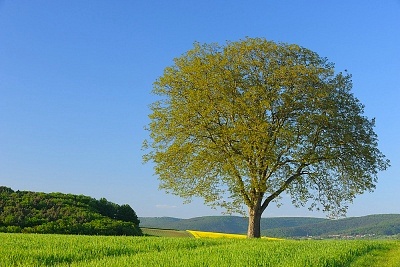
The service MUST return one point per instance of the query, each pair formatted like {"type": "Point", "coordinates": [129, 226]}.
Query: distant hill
{"type": "Point", "coordinates": [385, 224]}
{"type": "Point", "coordinates": [226, 224]}
{"type": "Point", "coordinates": [33, 212]}
{"type": "Point", "coordinates": [381, 224]}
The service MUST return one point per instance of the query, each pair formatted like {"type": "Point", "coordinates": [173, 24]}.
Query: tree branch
{"type": "Point", "coordinates": [283, 187]}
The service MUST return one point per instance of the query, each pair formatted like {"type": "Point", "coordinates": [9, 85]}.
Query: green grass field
{"type": "Point", "coordinates": [69, 250]}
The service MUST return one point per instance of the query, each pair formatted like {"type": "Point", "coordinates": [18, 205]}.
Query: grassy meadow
{"type": "Point", "coordinates": [73, 250]}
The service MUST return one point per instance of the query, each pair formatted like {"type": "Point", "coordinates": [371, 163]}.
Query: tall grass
{"type": "Point", "coordinates": [58, 250]}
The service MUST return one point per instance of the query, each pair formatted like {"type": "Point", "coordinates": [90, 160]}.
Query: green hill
{"type": "Point", "coordinates": [33, 212]}
{"type": "Point", "coordinates": [226, 224]}
{"type": "Point", "coordinates": [385, 224]}
{"type": "Point", "coordinates": [382, 224]}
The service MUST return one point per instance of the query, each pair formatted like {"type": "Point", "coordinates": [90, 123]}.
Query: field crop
{"type": "Point", "coordinates": [166, 232]}
{"type": "Point", "coordinates": [59, 250]}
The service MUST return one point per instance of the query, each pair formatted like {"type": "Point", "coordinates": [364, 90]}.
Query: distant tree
{"type": "Point", "coordinates": [127, 214]}
{"type": "Point", "coordinates": [243, 123]}
{"type": "Point", "coordinates": [106, 208]}
{"type": "Point", "coordinates": [6, 190]}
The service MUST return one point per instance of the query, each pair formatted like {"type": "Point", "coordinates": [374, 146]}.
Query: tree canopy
{"type": "Point", "coordinates": [242, 123]}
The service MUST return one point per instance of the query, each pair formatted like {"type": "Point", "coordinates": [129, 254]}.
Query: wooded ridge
{"type": "Point", "coordinates": [58, 213]}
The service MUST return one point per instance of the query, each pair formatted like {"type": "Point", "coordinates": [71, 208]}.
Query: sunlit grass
{"type": "Point", "coordinates": [84, 251]}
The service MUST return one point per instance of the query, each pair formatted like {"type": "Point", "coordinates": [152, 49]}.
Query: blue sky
{"type": "Point", "coordinates": [76, 80]}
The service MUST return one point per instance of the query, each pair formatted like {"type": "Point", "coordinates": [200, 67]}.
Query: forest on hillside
{"type": "Point", "coordinates": [58, 213]}
{"type": "Point", "coordinates": [370, 225]}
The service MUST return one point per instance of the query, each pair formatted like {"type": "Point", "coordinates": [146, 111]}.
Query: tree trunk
{"type": "Point", "coordinates": [254, 229]}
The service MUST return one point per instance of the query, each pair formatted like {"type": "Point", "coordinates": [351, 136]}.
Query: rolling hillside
{"type": "Point", "coordinates": [384, 224]}
{"type": "Point", "coordinates": [226, 224]}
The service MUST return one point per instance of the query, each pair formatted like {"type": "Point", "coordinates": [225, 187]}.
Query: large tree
{"type": "Point", "coordinates": [240, 124]}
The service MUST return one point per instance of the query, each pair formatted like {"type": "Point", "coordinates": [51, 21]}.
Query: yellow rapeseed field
{"type": "Point", "coordinates": [202, 234]}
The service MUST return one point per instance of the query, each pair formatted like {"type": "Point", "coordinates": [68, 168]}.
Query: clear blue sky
{"type": "Point", "coordinates": [76, 80]}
